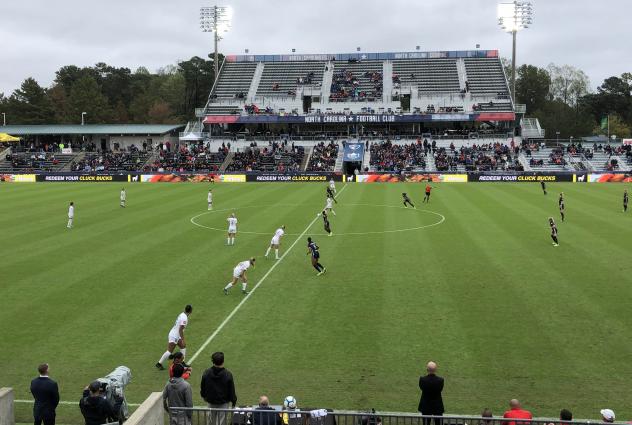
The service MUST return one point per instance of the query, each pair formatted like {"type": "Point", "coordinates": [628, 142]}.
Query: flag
{"type": "Point", "coordinates": [604, 123]}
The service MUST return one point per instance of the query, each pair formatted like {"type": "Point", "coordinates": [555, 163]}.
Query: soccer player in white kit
{"type": "Point", "coordinates": [176, 336]}
{"type": "Point", "coordinates": [209, 199]}
{"type": "Point", "coordinates": [123, 198]}
{"type": "Point", "coordinates": [232, 229]}
{"type": "Point", "coordinates": [276, 241]}
{"type": "Point", "coordinates": [332, 185]}
{"type": "Point", "coordinates": [239, 272]}
{"type": "Point", "coordinates": [71, 214]}
{"type": "Point", "coordinates": [330, 205]}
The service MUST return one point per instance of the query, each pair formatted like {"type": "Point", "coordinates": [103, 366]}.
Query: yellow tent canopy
{"type": "Point", "coordinates": [5, 138]}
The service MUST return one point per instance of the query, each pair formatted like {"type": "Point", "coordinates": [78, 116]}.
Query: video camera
{"type": "Point", "coordinates": [113, 388]}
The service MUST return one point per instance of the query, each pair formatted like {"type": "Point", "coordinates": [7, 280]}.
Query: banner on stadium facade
{"type": "Point", "coordinates": [356, 118]}
{"type": "Point", "coordinates": [610, 178]}
{"type": "Point", "coordinates": [85, 178]}
{"type": "Point", "coordinates": [626, 142]}
{"type": "Point", "coordinates": [17, 178]}
{"type": "Point", "coordinates": [411, 178]}
{"type": "Point", "coordinates": [521, 178]}
{"type": "Point", "coordinates": [353, 152]}
{"type": "Point", "coordinates": [191, 178]}
{"type": "Point", "coordinates": [295, 178]}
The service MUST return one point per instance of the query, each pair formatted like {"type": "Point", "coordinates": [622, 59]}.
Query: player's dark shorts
{"type": "Point", "coordinates": [315, 255]}
{"type": "Point", "coordinates": [428, 194]}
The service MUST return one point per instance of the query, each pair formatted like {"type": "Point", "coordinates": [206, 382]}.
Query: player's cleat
{"type": "Point", "coordinates": [277, 258]}
{"type": "Point", "coordinates": [159, 366]}
{"type": "Point", "coordinates": [324, 269]}
{"type": "Point", "coordinates": [243, 291]}
{"type": "Point", "coordinates": [331, 234]}
{"type": "Point", "coordinates": [225, 291]}
{"type": "Point", "coordinates": [556, 244]}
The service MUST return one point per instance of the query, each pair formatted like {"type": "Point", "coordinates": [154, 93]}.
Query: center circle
{"type": "Point", "coordinates": [440, 220]}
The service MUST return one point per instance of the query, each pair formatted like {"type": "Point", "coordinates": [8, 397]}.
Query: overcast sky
{"type": "Point", "coordinates": [39, 36]}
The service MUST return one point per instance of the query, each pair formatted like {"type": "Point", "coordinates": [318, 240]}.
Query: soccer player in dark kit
{"type": "Point", "coordinates": [625, 200]}
{"type": "Point", "coordinates": [543, 186]}
{"type": "Point", "coordinates": [407, 200]}
{"type": "Point", "coordinates": [314, 251]}
{"type": "Point", "coordinates": [553, 232]}
{"type": "Point", "coordinates": [561, 204]}
{"type": "Point", "coordinates": [326, 223]}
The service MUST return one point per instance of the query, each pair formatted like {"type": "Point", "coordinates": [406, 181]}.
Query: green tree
{"type": "Point", "coordinates": [30, 104]}
{"type": "Point", "coordinates": [532, 87]}
{"type": "Point", "coordinates": [617, 126]}
{"type": "Point", "coordinates": [86, 96]}
{"type": "Point", "coordinates": [198, 77]}
{"type": "Point", "coordinates": [568, 84]}
{"type": "Point", "coordinates": [556, 116]}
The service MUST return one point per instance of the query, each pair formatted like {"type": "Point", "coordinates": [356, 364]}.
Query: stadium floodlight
{"type": "Point", "coordinates": [4, 119]}
{"type": "Point", "coordinates": [83, 118]}
{"type": "Point", "coordinates": [513, 17]}
{"type": "Point", "coordinates": [216, 19]}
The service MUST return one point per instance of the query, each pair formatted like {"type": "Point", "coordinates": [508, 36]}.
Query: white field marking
{"type": "Point", "coordinates": [409, 229]}
{"type": "Point", "coordinates": [73, 403]}
{"type": "Point", "coordinates": [252, 291]}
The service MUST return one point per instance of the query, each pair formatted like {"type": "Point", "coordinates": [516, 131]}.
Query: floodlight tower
{"type": "Point", "coordinates": [513, 17]}
{"type": "Point", "coordinates": [216, 19]}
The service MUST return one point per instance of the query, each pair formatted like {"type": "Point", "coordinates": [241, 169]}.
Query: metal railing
{"type": "Point", "coordinates": [277, 415]}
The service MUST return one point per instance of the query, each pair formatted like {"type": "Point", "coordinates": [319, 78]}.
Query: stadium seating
{"type": "Point", "coordinates": [235, 79]}
{"type": "Point", "coordinates": [394, 158]}
{"type": "Point", "coordinates": [283, 78]}
{"type": "Point", "coordinates": [192, 158]}
{"type": "Point", "coordinates": [485, 77]}
{"type": "Point", "coordinates": [323, 157]}
{"type": "Point", "coordinates": [111, 162]}
{"type": "Point", "coordinates": [274, 158]}
{"type": "Point", "coordinates": [35, 161]}
{"type": "Point", "coordinates": [429, 75]}
{"type": "Point", "coordinates": [357, 81]}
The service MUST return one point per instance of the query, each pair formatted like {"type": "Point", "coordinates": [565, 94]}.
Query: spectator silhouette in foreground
{"type": "Point", "coordinates": [431, 402]}
{"type": "Point", "coordinates": [46, 395]}
{"type": "Point", "coordinates": [218, 389]}
{"type": "Point", "coordinates": [516, 412]}
{"type": "Point", "coordinates": [264, 414]}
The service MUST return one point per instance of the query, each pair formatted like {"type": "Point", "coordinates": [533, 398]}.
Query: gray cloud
{"type": "Point", "coordinates": [37, 36]}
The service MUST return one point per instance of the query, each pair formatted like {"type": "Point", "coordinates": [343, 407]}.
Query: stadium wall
{"type": "Point", "coordinates": [7, 416]}
{"type": "Point", "coordinates": [527, 177]}
{"type": "Point", "coordinates": [150, 412]}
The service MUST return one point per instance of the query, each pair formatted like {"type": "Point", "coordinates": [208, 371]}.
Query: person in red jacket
{"type": "Point", "coordinates": [178, 358]}
{"type": "Point", "coordinates": [516, 412]}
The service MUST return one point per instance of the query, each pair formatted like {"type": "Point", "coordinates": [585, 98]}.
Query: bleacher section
{"type": "Point", "coordinates": [113, 162]}
{"type": "Point", "coordinates": [485, 77]}
{"type": "Point", "coordinates": [32, 161]}
{"type": "Point", "coordinates": [492, 106]}
{"type": "Point", "coordinates": [357, 81]}
{"type": "Point", "coordinates": [267, 160]}
{"type": "Point", "coordinates": [235, 79]}
{"type": "Point", "coordinates": [282, 78]}
{"type": "Point", "coordinates": [429, 75]}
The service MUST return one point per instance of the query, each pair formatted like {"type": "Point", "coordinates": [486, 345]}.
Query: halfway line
{"type": "Point", "coordinates": [236, 309]}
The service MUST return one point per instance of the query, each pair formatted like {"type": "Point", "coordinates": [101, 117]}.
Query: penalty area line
{"type": "Point", "coordinates": [252, 291]}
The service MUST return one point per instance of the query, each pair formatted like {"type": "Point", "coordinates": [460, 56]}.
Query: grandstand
{"type": "Point", "coordinates": [421, 84]}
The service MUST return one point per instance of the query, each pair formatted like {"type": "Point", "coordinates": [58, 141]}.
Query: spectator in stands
{"type": "Point", "coordinates": [264, 414]}
{"type": "Point", "coordinates": [487, 415]}
{"type": "Point", "coordinates": [95, 408]}
{"type": "Point", "coordinates": [218, 389]}
{"type": "Point", "coordinates": [516, 412]}
{"type": "Point", "coordinates": [431, 386]}
{"type": "Point", "coordinates": [177, 393]}
{"type": "Point", "coordinates": [566, 415]}
{"type": "Point", "coordinates": [607, 415]}
{"type": "Point", "coordinates": [46, 395]}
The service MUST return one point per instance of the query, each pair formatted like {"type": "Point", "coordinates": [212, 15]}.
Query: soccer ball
{"type": "Point", "coordinates": [289, 402]}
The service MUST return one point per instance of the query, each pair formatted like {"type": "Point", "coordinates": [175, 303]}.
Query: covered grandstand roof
{"type": "Point", "coordinates": [104, 129]}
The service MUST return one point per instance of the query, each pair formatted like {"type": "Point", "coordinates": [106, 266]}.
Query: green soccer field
{"type": "Point", "coordinates": [471, 281]}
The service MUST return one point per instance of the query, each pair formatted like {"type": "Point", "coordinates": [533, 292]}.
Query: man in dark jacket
{"type": "Point", "coordinates": [431, 386]}
{"type": "Point", "coordinates": [177, 393]}
{"type": "Point", "coordinates": [46, 395]}
{"type": "Point", "coordinates": [218, 389]}
{"type": "Point", "coordinates": [264, 414]}
{"type": "Point", "coordinates": [95, 408]}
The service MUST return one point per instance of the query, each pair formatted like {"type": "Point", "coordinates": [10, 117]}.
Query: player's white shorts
{"type": "Point", "coordinates": [174, 337]}
{"type": "Point", "coordinates": [236, 273]}
{"type": "Point", "coordinates": [232, 230]}
{"type": "Point", "coordinates": [275, 241]}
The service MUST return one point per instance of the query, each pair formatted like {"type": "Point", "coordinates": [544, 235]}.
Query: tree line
{"type": "Point", "coordinates": [113, 95]}
{"type": "Point", "coordinates": [559, 96]}
{"type": "Point", "coordinates": [562, 99]}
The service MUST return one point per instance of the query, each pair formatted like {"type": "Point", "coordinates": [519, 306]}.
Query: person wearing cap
{"type": "Point", "coordinates": [431, 402]}
{"type": "Point", "coordinates": [607, 415]}
{"type": "Point", "coordinates": [46, 394]}
{"type": "Point", "coordinates": [95, 408]}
